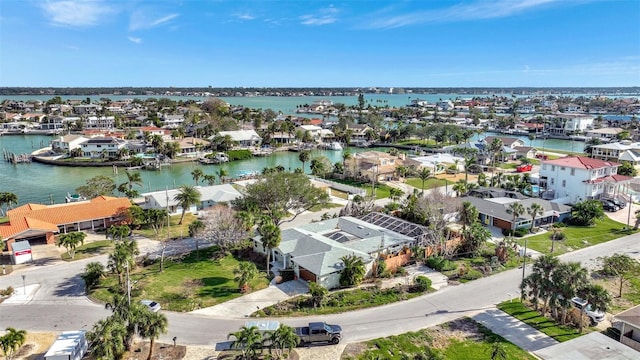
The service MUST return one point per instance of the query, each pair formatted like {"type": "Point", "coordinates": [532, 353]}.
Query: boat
{"type": "Point", "coordinates": [332, 146]}
{"type": "Point", "coordinates": [70, 198]}
{"type": "Point", "coordinates": [218, 158]}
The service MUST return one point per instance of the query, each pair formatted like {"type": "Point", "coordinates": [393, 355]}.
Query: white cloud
{"type": "Point", "coordinates": [323, 17]}
{"type": "Point", "coordinates": [76, 13]}
{"type": "Point", "coordinates": [480, 10]}
{"type": "Point", "coordinates": [140, 20]}
{"type": "Point", "coordinates": [134, 39]}
{"type": "Point", "coordinates": [245, 16]}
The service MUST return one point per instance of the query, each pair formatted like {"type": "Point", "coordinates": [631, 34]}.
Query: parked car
{"type": "Point", "coordinates": [151, 305]}
{"type": "Point", "coordinates": [609, 206]}
{"type": "Point", "coordinates": [594, 315]}
{"type": "Point", "coordinates": [619, 203]}
{"type": "Point", "coordinates": [319, 332]}
{"type": "Point", "coordinates": [524, 168]}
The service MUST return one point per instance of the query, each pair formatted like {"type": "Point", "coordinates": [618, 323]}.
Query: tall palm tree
{"type": "Point", "coordinates": [545, 265]}
{"type": "Point", "coordinates": [196, 174]}
{"type": "Point", "coordinates": [106, 339]}
{"type": "Point", "coordinates": [494, 148]}
{"type": "Point", "coordinates": [222, 172]}
{"type": "Point", "coordinates": [210, 179]}
{"type": "Point", "coordinates": [304, 156]}
{"type": "Point", "coordinates": [133, 178]}
{"type": "Point", "coordinates": [187, 195]}
{"type": "Point", "coordinates": [271, 238]}
{"type": "Point", "coordinates": [424, 174]}
{"type": "Point", "coordinates": [534, 210]}
{"type": "Point", "coordinates": [516, 209]}
{"type": "Point", "coordinates": [597, 296]}
{"type": "Point", "coordinates": [118, 232]}
{"type": "Point", "coordinates": [567, 278]}
{"type": "Point", "coordinates": [467, 214]}
{"type": "Point", "coordinates": [71, 241]}
{"type": "Point", "coordinates": [151, 326]}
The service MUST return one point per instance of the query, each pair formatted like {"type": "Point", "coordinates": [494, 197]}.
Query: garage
{"type": "Point", "coordinates": [307, 275]}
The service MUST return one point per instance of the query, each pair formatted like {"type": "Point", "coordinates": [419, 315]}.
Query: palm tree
{"type": "Point", "coordinates": [318, 293]}
{"type": "Point", "coordinates": [244, 274]}
{"type": "Point", "coordinates": [70, 241]}
{"type": "Point", "coordinates": [460, 187]}
{"type": "Point", "coordinates": [353, 270]}
{"type": "Point", "coordinates": [133, 178]}
{"type": "Point", "coordinates": [468, 214]}
{"type": "Point", "coordinates": [118, 232]}
{"type": "Point", "coordinates": [187, 195]}
{"type": "Point", "coordinates": [12, 341]}
{"type": "Point", "coordinates": [210, 179]}
{"type": "Point", "coordinates": [284, 338]}
{"type": "Point", "coordinates": [567, 278]}
{"type": "Point", "coordinates": [597, 296]}
{"type": "Point", "coordinates": [304, 156]}
{"type": "Point", "coordinates": [121, 257]}
{"type": "Point", "coordinates": [534, 210]}
{"type": "Point", "coordinates": [499, 351]}
{"type": "Point", "coordinates": [106, 339]}
{"type": "Point", "coordinates": [151, 326]}
{"type": "Point", "coordinates": [424, 174]}
{"type": "Point", "coordinates": [197, 174]}
{"type": "Point", "coordinates": [545, 265]}
{"type": "Point", "coordinates": [196, 227]}
{"type": "Point", "coordinates": [248, 339]}
{"type": "Point", "coordinates": [516, 209]}
{"type": "Point", "coordinates": [395, 194]}
{"type": "Point", "coordinates": [346, 155]}
{"type": "Point", "coordinates": [222, 172]}
{"type": "Point", "coordinates": [494, 148]}
{"type": "Point", "coordinates": [7, 198]}
{"type": "Point", "coordinates": [271, 238]}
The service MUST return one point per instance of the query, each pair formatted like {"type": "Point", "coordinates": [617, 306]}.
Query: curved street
{"type": "Point", "coordinates": [58, 303]}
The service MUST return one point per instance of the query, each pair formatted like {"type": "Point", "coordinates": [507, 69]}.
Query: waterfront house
{"type": "Point", "coordinates": [38, 223]}
{"type": "Point", "coordinates": [101, 147]}
{"type": "Point", "coordinates": [86, 109]}
{"type": "Point", "coordinates": [209, 196]}
{"type": "Point", "coordinates": [190, 146]}
{"type": "Point", "coordinates": [605, 134]}
{"type": "Point", "coordinates": [568, 124]}
{"type": "Point", "coordinates": [314, 251]}
{"type": "Point", "coordinates": [244, 138]}
{"type": "Point", "coordinates": [624, 151]}
{"type": "Point", "coordinates": [64, 144]}
{"type": "Point", "coordinates": [370, 165]}
{"type": "Point", "coordinates": [494, 211]}
{"type": "Point", "coordinates": [572, 179]}
{"type": "Point", "coordinates": [100, 122]}
{"type": "Point", "coordinates": [437, 163]}
{"type": "Point", "coordinates": [152, 131]}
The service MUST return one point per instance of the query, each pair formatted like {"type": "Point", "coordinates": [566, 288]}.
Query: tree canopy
{"type": "Point", "coordinates": [281, 194]}
{"type": "Point", "coordinates": [96, 186]}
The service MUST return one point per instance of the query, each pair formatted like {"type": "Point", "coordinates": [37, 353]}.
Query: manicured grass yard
{"type": "Point", "coordinates": [176, 231]}
{"type": "Point", "coordinates": [428, 184]}
{"type": "Point", "coordinates": [531, 317]}
{"type": "Point", "coordinates": [382, 190]}
{"type": "Point", "coordinates": [578, 237]}
{"type": "Point", "coordinates": [90, 249]}
{"type": "Point", "coordinates": [193, 282]}
{"type": "Point", "coordinates": [461, 339]}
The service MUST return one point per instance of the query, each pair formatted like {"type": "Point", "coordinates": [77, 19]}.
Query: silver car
{"type": "Point", "coordinates": [151, 305]}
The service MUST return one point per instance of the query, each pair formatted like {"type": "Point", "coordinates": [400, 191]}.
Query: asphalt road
{"type": "Point", "coordinates": [59, 304]}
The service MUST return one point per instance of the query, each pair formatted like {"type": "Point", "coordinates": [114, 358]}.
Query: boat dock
{"type": "Point", "coordinates": [16, 158]}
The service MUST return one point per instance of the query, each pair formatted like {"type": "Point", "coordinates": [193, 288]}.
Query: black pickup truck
{"type": "Point", "coordinates": [319, 332]}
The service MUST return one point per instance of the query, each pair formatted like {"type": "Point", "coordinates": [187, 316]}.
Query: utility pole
{"type": "Point", "coordinates": [524, 258]}
{"type": "Point", "coordinates": [24, 285]}
{"type": "Point", "coordinates": [126, 265]}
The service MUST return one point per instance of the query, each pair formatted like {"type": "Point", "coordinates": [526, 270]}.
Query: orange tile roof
{"type": "Point", "coordinates": [47, 218]}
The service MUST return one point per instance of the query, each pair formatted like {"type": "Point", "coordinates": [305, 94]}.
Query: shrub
{"type": "Point", "coordinates": [6, 292]}
{"type": "Point", "coordinates": [472, 274]}
{"type": "Point", "coordinates": [520, 232]}
{"type": "Point", "coordinates": [557, 236]}
{"type": "Point", "coordinates": [239, 155]}
{"type": "Point", "coordinates": [422, 282]}
{"type": "Point", "coordinates": [440, 264]}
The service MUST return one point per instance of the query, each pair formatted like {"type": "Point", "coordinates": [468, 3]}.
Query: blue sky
{"type": "Point", "coordinates": [307, 43]}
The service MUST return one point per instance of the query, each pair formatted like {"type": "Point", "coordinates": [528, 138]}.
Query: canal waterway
{"type": "Point", "coordinates": [40, 183]}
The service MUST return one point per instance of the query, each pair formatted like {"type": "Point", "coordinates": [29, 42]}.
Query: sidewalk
{"type": "Point", "coordinates": [514, 330]}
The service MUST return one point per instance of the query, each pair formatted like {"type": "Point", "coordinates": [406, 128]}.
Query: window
{"type": "Point", "coordinates": [544, 166]}
{"type": "Point", "coordinates": [573, 172]}
{"type": "Point", "coordinates": [552, 181]}
{"type": "Point", "coordinates": [562, 168]}
{"type": "Point", "coordinates": [564, 183]}
{"type": "Point", "coordinates": [553, 168]}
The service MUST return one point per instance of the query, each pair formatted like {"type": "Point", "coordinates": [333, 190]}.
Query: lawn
{"type": "Point", "coordinates": [578, 237]}
{"type": "Point", "coordinates": [91, 249]}
{"type": "Point", "coordinates": [545, 325]}
{"type": "Point", "coordinates": [461, 339]}
{"type": "Point", "coordinates": [429, 183]}
{"type": "Point", "coordinates": [176, 231]}
{"type": "Point", "coordinates": [381, 190]}
{"type": "Point", "coordinates": [4, 219]}
{"type": "Point", "coordinates": [196, 281]}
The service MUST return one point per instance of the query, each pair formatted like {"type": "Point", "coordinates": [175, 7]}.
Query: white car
{"type": "Point", "coordinates": [151, 305]}
{"type": "Point", "coordinates": [596, 316]}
